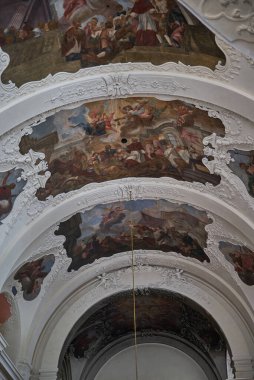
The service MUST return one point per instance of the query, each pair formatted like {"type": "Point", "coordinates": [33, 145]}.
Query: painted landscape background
{"type": "Point", "coordinates": [49, 36]}
{"type": "Point", "coordinates": [134, 137]}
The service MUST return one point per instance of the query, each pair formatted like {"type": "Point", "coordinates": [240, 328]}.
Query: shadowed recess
{"type": "Point", "coordinates": [158, 312]}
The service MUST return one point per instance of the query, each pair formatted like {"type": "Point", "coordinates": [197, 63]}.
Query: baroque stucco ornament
{"type": "Point", "coordinates": [28, 209]}
{"type": "Point", "coordinates": [231, 9]}
{"type": "Point", "coordinates": [232, 20]}
{"type": "Point", "coordinates": [100, 82]}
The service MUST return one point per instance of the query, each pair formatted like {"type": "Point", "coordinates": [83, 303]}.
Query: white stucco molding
{"type": "Point", "coordinates": [229, 19]}
{"type": "Point", "coordinates": [90, 291]}
{"type": "Point", "coordinates": [114, 191]}
{"type": "Point", "coordinates": [224, 87]}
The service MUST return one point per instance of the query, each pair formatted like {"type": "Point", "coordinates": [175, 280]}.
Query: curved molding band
{"type": "Point", "coordinates": [49, 345]}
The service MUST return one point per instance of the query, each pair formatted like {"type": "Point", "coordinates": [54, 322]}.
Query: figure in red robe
{"type": "Point", "coordinates": [147, 29]}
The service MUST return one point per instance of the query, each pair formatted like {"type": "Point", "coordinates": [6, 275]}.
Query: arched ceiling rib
{"type": "Point", "coordinates": [175, 137]}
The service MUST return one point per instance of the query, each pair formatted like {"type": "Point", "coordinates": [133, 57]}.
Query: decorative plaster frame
{"type": "Point", "coordinates": [228, 19]}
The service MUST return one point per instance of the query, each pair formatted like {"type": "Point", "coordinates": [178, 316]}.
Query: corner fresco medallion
{"type": "Point", "coordinates": [242, 166]}
{"type": "Point", "coordinates": [157, 225]}
{"type": "Point", "coordinates": [120, 138]}
{"type": "Point", "coordinates": [31, 276]}
{"type": "Point", "coordinates": [242, 258]}
{"type": "Point", "coordinates": [50, 36]}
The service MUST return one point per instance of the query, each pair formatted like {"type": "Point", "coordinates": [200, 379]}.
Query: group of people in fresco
{"type": "Point", "coordinates": [149, 233]}
{"type": "Point", "coordinates": [147, 23]}
{"type": "Point", "coordinates": [106, 155]}
{"type": "Point", "coordinates": [100, 38]}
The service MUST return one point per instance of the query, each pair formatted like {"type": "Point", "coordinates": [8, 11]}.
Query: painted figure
{"type": "Point", "coordinates": [146, 34]}
{"type": "Point", "coordinates": [31, 276]}
{"type": "Point", "coordinates": [163, 139]}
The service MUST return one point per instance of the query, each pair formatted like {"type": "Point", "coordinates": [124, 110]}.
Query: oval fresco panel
{"type": "Point", "coordinates": [242, 259]}
{"type": "Point", "coordinates": [243, 167]}
{"type": "Point", "coordinates": [49, 36]}
{"type": "Point", "coordinates": [31, 276]}
{"type": "Point", "coordinates": [157, 225]}
{"type": "Point", "coordinates": [11, 186]}
{"type": "Point", "coordinates": [134, 137]}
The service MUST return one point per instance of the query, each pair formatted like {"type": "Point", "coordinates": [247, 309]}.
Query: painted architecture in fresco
{"type": "Point", "coordinates": [135, 137]}
{"type": "Point", "coordinates": [49, 36]}
{"type": "Point", "coordinates": [31, 276]}
{"type": "Point", "coordinates": [242, 259]}
{"type": "Point", "coordinates": [157, 225]}
{"type": "Point", "coordinates": [157, 312]}
{"type": "Point", "coordinates": [10, 188]}
{"type": "Point", "coordinates": [243, 167]}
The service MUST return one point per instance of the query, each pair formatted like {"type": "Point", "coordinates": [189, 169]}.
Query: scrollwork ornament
{"type": "Point", "coordinates": [249, 27]}
{"type": "Point", "coordinates": [100, 82]}
{"type": "Point", "coordinates": [231, 9]}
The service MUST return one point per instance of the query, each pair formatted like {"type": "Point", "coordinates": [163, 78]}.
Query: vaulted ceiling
{"type": "Point", "coordinates": [125, 122]}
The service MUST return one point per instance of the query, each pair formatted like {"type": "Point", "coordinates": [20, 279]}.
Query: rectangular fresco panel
{"type": "Point", "coordinates": [135, 137]}
{"type": "Point", "coordinates": [49, 36]}
{"type": "Point", "coordinates": [157, 225]}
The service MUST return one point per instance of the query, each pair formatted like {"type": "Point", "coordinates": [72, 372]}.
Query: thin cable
{"type": "Point", "coordinates": [134, 295]}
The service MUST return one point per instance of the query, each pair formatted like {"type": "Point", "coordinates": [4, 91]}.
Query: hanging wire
{"type": "Point", "coordinates": [134, 294]}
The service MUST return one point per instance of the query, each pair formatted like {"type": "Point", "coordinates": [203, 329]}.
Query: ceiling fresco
{"type": "Point", "coordinates": [243, 166]}
{"type": "Point", "coordinates": [31, 276]}
{"type": "Point", "coordinates": [158, 225]}
{"type": "Point", "coordinates": [157, 312]}
{"type": "Point", "coordinates": [242, 259]}
{"type": "Point", "coordinates": [5, 309]}
{"type": "Point", "coordinates": [50, 36]}
{"type": "Point", "coordinates": [134, 137]}
{"type": "Point", "coordinates": [11, 186]}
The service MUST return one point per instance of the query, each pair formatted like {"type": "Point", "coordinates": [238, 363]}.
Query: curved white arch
{"type": "Point", "coordinates": [54, 333]}
{"type": "Point", "coordinates": [113, 191]}
{"type": "Point", "coordinates": [160, 83]}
